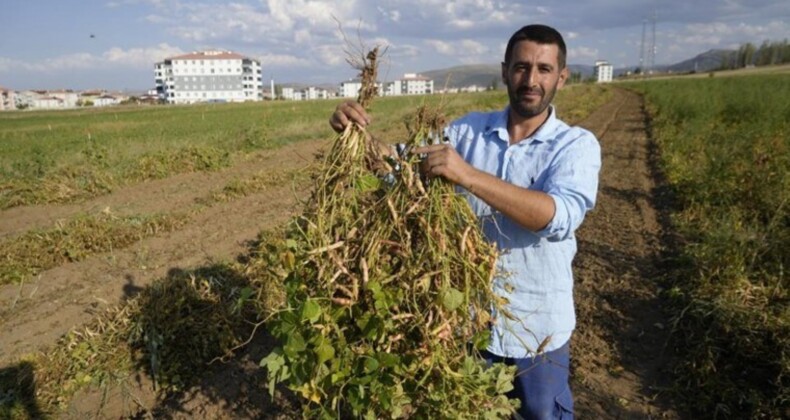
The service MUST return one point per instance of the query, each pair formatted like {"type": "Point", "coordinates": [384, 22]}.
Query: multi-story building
{"type": "Point", "coordinates": [7, 99]}
{"type": "Point", "coordinates": [208, 76]}
{"type": "Point", "coordinates": [410, 84]}
{"type": "Point", "coordinates": [603, 71]}
{"type": "Point", "coordinates": [68, 98]}
{"type": "Point", "coordinates": [306, 94]}
{"type": "Point", "coordinates": [350, 88]}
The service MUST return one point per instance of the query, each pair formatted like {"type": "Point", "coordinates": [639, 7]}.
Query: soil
{"type": "Point", "coordinates": [618, 349]}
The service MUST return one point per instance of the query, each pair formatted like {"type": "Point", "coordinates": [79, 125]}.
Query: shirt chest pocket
{"type": "Point", "coordinates": [527, 176]}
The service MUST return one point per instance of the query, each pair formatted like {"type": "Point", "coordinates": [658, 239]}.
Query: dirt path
{"type": "Point", "coordinates": [620, 335]}
{"type": "Point", "coordinates": [617, 348]}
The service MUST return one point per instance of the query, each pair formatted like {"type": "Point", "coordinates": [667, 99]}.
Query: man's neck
{"type": "Point", "coordinates": [519, 127]}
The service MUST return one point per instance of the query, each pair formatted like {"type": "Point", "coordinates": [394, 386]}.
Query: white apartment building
{"type": "Point", "coordinates": [7, 99]}
{"type": "Point", "coordinates": [410, 84]}
{"type": "Point", "coordinates": [291, 94]}
{"type": "Point", "coordinates": [68, 98]}
{"type": "Point", "coordinates": [208, 76]}
{"type": "Point", "coordinates": [603, 71]}
{"type": "Point", "coordinates": [350, 88]}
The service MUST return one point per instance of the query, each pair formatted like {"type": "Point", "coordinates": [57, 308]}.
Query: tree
{"type": "Point", "coordinates": [494, 84]}
{"type": "Point", "coordinates": [745, 55]}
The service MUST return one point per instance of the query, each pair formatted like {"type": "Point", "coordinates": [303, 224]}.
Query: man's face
{"type": "Point", "coordinates": [532, 76]}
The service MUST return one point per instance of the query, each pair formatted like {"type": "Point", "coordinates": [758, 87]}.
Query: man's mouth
{"type": "Point", "coordinates": [532, 93]}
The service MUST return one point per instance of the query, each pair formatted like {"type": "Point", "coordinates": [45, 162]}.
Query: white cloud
{"type": "Point", "coordinates": [582, 54]}
{"type": "Point", "coordinates": [141, 57]}
{"type": "Point", "coordinates": [332, 55]}
{"type": "Point", "coordinates": [282, 60]}
{"type": "Point", "coordinates": [440, 46]}
{"type": "Point", "coordinates": [113, 58]}
{"type": "Point", "coordinates": [473, 47]}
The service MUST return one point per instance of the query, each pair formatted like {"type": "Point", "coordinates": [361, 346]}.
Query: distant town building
{"type": "Point", "coordinates": [603, 71]}
{"type": "Point", "coordinates": [350, 88]}
{"type": "Point", "coordinates": [68, 98]}
{"type": "Point", "coordinates": [309, 93]}
{"type": "Point", "coordinates": [208, 76]}
{"type": "Point", "coordinates": [7, 99]}
{"type": "Point", "coordinates": [410, 84]}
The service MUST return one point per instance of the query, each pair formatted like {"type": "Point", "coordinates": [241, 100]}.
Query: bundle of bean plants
{"type": "Point", "coordinates": [388, 289]}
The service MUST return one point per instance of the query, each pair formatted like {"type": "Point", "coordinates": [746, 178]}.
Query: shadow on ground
{"type": "Point", "coordinates": [18, 392]}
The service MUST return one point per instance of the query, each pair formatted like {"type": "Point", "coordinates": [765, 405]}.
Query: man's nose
{"type": "Point", "coordinates": [532, 76]}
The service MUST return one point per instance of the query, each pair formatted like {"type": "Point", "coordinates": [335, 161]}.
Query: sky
{"type": "Point", "coordinates": [113, 44]}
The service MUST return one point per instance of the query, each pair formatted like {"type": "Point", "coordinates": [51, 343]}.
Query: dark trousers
{"type": "Point", "coordinates": [541, 384]}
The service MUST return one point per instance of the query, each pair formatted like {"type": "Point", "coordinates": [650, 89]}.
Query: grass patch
{"type": "Point", "coordinates": [35, 251]}
{"type": "Point", "coordinates": [725, 151]}
{"type": "Point", "coordinates": [261, 181]}
{"type": "Point", "coordinates": [73, 155]}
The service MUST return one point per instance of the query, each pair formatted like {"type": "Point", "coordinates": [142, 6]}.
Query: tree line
{"type": "Point", "coordinates": [768, 53]}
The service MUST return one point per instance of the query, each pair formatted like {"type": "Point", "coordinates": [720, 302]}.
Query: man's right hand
{"type": "Point", "coordinates": [346, 113]}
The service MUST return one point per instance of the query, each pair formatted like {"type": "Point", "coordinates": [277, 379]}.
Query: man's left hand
{"type": "Point", "coordinates": [444, 161]}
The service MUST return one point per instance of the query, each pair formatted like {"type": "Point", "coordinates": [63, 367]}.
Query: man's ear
{"type": "Point", "coordinates": [563, 77]}
{"type": "Point", "coordinates": [504, 73]}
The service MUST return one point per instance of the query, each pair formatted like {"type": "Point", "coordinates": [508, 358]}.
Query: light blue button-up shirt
{"type": "Point", "coordinates": [534, 268]}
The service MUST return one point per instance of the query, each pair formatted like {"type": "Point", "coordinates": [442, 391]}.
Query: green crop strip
{"type": "Point", "coordinates": [725, 150]}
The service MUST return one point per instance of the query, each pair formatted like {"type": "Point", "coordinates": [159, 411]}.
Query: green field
{"type": "Point", "coordinates": [68, 156]}
{"type": "Point", "coordinates": [725, 150]}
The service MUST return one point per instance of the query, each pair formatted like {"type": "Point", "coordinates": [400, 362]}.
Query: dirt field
{"type": "Point", "coordinates": [618, 348]}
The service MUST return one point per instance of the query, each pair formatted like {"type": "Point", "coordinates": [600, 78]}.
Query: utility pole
{"type": "Point", "coordinates": [652, 56]}
{"type": "Point", "coordinates": [642, 49]}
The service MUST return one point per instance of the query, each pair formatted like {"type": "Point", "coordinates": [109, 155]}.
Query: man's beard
{"type": "Point", "coordinates": [528, 111]}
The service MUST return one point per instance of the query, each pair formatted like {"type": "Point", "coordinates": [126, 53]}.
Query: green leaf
{"type": "Point", "coordinates": [371, 365]}
{"type": "Point", "coordinates": [311, 311]}
{"type": "Point", "coordinates": [452, 298]}
{"type": "Point", "coordinates": [324, 352]}
{"type": "Point", "coordinates": [274, 361]}
{"type": "Point", "coordinates": [275, 365]}
{"type": "Point", "coordinates": [294, 345]}
{"type": "Point", "coordinates": [366, 183]}
{"type": "Point", "coordinates": [388, 359]}
{"type": "Point", "coordinates": [481, 339]}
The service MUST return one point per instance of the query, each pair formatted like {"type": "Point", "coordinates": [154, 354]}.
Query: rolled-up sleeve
{"type": "Point", "coordinates": [572, 182]}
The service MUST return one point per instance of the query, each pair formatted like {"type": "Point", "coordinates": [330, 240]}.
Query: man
{"type": "Point", "coordinates": [531, 178]}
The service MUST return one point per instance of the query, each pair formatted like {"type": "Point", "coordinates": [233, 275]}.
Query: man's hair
{"type": "Point", "coordinates": [541, 34]}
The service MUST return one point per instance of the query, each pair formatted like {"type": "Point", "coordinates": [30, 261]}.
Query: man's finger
{"type": "Point", "coordinates": [430, 149]}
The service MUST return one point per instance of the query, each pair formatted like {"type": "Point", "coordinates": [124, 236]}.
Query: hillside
{"type": "Point", "coordinates": [482, 75]}
{"type": "Point", "coordinates": [485, 74]}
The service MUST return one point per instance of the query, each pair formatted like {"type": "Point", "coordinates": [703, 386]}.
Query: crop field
{"type": "Point", "coordinates": [134, 193]}
{"type": "Point", "coordinates": [138, 248]}
{"type": "Point", "coordinates": [725, 147]}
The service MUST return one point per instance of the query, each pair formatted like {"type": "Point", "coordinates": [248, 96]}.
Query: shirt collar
{"type": "Point", "coordinates": [498, 124]}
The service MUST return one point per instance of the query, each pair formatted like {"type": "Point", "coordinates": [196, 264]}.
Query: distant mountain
{"type": "Point", "coordinates": [460, 76]}
{"type": "Point", "coordinates": [707, 61]}
{"type": "Point", "coordinates": [485, 74]}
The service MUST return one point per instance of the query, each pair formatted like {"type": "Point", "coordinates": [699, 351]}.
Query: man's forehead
{"type": "Point", "coordinates": [530, 51]}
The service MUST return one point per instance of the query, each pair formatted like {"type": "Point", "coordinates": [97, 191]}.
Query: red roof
{"type": "Point", "coordinates": [209, 55]}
